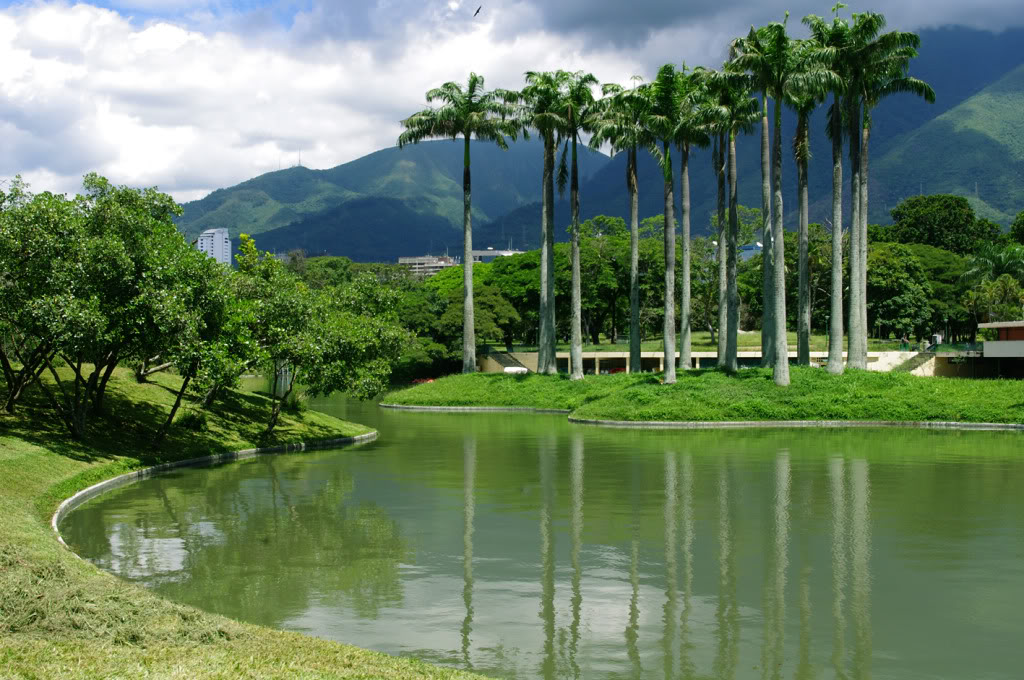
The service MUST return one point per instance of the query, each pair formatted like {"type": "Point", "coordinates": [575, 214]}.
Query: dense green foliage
{"type": "Point", "coordinates": [943, 221]}
{"type": "Point", "coordinates": [749, 395]}
{"type": "Point", "coordinates": [105, 279]}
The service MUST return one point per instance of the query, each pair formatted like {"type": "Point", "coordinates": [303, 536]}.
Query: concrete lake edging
{"type": "Point", "coordinates": [724, 424]}
{"type": "Point", "coordinates": [797, 424]}
{"type": "Point", "coordinates": [477, 409]}
{"type": "Point", "coordinates": [91, 492]}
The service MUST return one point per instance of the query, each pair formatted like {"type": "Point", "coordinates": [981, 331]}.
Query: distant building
{"type": "Point", "coordinates": [216, 244]}
{"type": "Point", "coordinates": [490, 253]}
{"type": "Point", "coordinates": [428, 265]}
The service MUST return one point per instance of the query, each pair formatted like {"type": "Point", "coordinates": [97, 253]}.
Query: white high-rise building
{"type": "Point", "coordinates": [217, 244]}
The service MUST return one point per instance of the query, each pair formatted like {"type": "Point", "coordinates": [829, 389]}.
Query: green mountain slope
{"type": "Point", "coordinates": [975, 149]}
{"type": "Point", "coordinates": [427, 177]}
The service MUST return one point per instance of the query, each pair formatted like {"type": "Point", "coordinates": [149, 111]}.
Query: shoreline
{"type": "Point", "coordinates": [69, 504]}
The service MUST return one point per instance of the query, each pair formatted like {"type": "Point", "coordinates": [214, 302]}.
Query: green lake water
{"type": "Point", "coordinates": [521, 546]}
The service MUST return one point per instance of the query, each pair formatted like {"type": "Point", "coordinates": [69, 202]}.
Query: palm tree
{"type": "Point", "coordinates": [621, 123]}
{"type": "Point", "coordinates": [541, 98]}
{"type": "Point", "coordinates": [663, 121]}
{"type": "Point", "coordinates": [471, 112]}
{"type": "Point", "coordinates": [689, 131]}
{"type": "Point", "coordinates": [833, 37]}
{"type": "Point", "coordinates": [577, 111]}
{"type": "Point", "coordinates": [804, 104]}
{"type": "Point", "coordinates": [771, 58]}
{"type": "Point", "coordinates": [881, 70]}
{"type": "Point", "coordinates": [730, 112]}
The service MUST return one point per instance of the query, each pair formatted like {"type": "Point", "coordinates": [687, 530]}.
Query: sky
{"type": "Point", "coordinates": [194, 95]}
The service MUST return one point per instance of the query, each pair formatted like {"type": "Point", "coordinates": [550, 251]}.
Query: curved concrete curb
{"type": "Point", "coordinates": [82, 496]}
{"type": "Point", "coordinates": [476, 409]}
{"type": "Point", "coordinates": [797, 424]}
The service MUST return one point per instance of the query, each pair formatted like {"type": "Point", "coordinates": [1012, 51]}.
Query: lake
{"type": "Point", "coordinates": [521, 546]}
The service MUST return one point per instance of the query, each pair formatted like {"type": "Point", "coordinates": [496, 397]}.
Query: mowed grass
{"type": "Point", "coordinates": [60, 617]}
{"type": "Point", "coordinates": [750, 395]}
{"type": "Point", "coordinates": [524, 390]}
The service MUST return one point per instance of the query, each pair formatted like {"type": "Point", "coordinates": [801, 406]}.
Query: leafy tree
{"type": "Point", "coordinates": [40, 237]}
{"type": "Point", "coordinates": [943, 221]}
{"type": "Point", "coordinates": [945, 274]}
{"type": "Point", "coordinates": [898, 291]}
{"type": "Point", "coordinates": [749, 221]}
{"type": "Point", "coordinates": [327, 340]}
{"type": "Point", "coordinates": [326, 271]}
{"type": "Point", "coordinates": [705, 284]}
{"type": "Point", "coordinates": [497, 317]}
{"type": "Point", "coordinates": [1017, 228]}
{"type": "Point", "coordinates": [470, 112]}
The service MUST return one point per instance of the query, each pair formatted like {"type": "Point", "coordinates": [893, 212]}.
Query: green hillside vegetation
{"type": "Point", "coordinates": [981, 141]}
{"type": "Point", "coordinates": [426, 178]}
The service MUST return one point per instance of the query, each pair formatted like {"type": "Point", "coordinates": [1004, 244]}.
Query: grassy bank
{"type": "Point", "coordinates": [749, 395]}
{"type": "Point", "coordinates": [60, 617]}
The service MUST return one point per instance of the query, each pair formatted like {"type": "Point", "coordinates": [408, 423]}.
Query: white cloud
{"type": "Point", "coordinates": [216, 96]}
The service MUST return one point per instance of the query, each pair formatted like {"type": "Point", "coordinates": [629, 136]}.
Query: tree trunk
{"type": "Point", "coordinates": [174, 409]}
{"type": "Point", "coordinates": [732, 292]}
{"type": "Point", "coordinates": [575, 327]}
{"type": "Point", "coordinates": [781, 367]}
{"type": "Point", "coordinates": [767, 249]}
{"type": "Point", "coordinates": [835, 332]}
{"type": "Point", "coordinates": [468, 326]}
{"type": "Point", "coordinates": [669, 330]}
{"type": "Point", "coordinates": [546, 362]}
{"type": "Point", "coordinates": [101, 389]}
{"type": "Point", "coordinates": [275, 412]}
{"type": "Point", "coordinates": [863, 276]}
{"type": "Point", "coordinates": [685, 324]}
{"type": "Point", "coordinates": [856, 328]}
{"type": "Point", "coordinates": [723, 272]}
{"type": "Point", "coordinates": [634, 264]}
{"type": "Point", "coordinates": [803, 326]}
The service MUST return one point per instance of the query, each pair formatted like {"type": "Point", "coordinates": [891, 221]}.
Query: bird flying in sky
{"type": "Point", "coordinates": [477, 11]}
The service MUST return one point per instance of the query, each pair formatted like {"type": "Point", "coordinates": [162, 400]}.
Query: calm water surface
{"type": "Point", "coordinates": [524, 547]}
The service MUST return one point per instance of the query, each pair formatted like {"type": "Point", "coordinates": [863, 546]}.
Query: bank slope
{"type": "Point", "coordinates": [62, 617]}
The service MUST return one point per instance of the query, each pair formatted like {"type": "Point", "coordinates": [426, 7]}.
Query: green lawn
{"type": "Point", "coordinates": [750, 395]}
{"type": "Point", "coordinates": [60, 617]}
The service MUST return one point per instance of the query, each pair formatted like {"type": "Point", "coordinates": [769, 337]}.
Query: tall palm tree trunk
{"type": "Point", "coordinates": [634, 264]}
{"type": "Point", "coordinates": [732, 292]}
{"type": "Point", "coordinates": [803, 329]}
{"type": "Point", "coordinates": [835, 333]}
{"type": "Point", "coordinates": [723, 270]}
{"type": "Point", "coordinates": [854, 359]}
{"type": "Point", "coordinates": [863, 277]}
{"type": "Point", "coordinates": [575, 327]}
{"type": "Point", "coordinates": [546, 352]}
{"type": "Point", "coordinates": [468, 329]}
{"type": "Point", "coordinates": [781, 368]}
{"type": "Point", "coordinates": [767, 250]}
{"type": "Point", "coordinates": [685, 340]}
{"type": "Point", "coordinates": [669, 330]}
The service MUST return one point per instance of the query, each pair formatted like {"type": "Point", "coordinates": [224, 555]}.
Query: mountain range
{"type": "Point", "coordinates": [408, 201]}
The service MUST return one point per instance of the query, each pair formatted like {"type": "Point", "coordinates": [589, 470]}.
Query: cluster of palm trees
{"type": "Point", "coordinates": [850, 61]}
